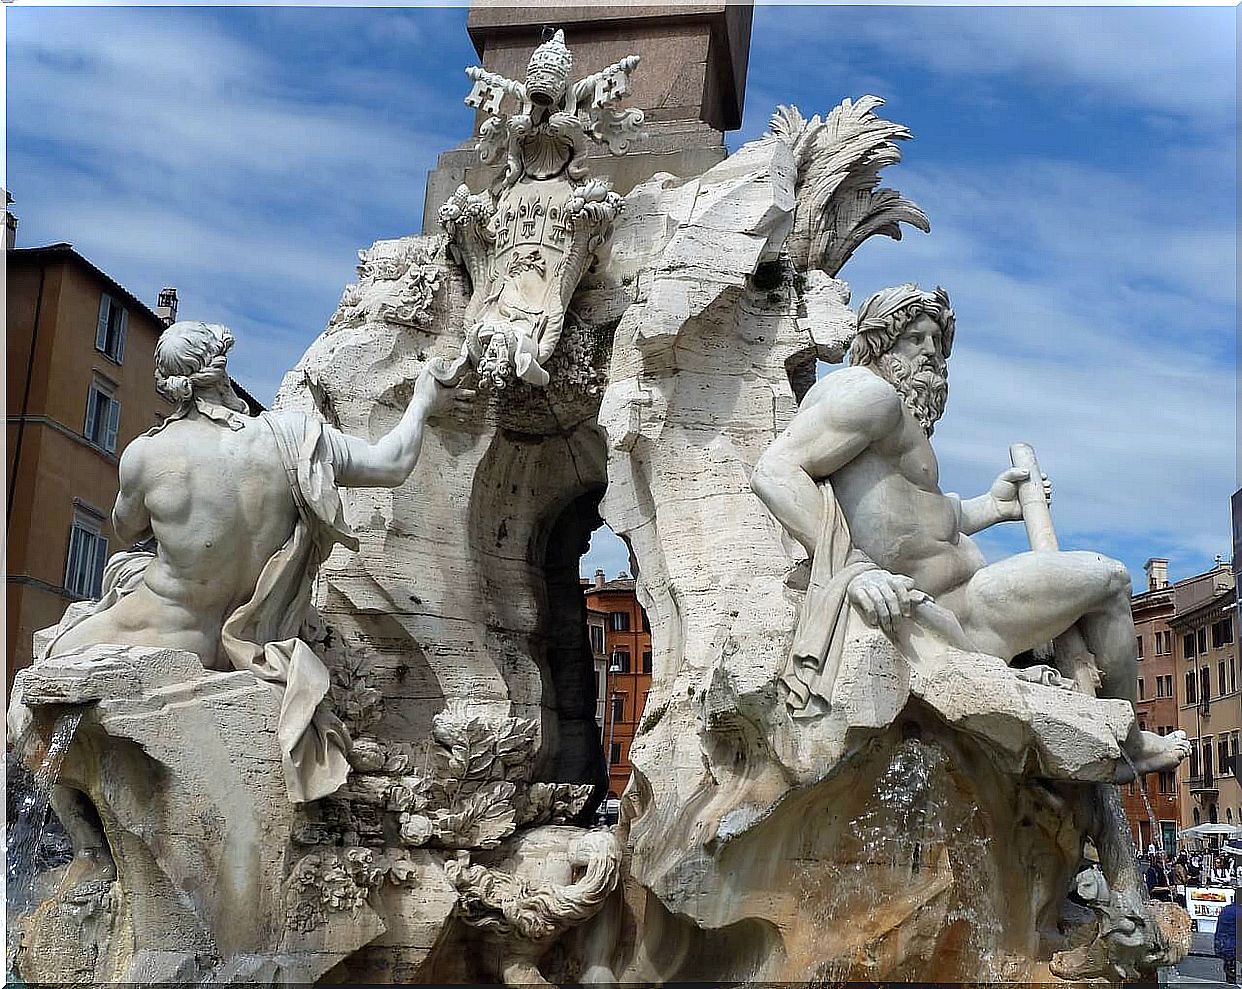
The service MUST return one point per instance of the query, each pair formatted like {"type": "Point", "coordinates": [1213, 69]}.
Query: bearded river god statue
{"type": "Point", "coordinates": [308, 738]}
{"type": "Point", "coordinates": [854, 479]}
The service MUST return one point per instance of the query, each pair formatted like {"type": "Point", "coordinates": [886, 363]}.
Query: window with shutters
{"type": "Point", "coordinates": [1138, 646]}
{"type": "Point", "coordinates": [1141, 694]}
{"type": "Point", "coordinates": [1192, 693]}
{"type": "Point", "coordinates": [620, 661]}
{"type": "Point", "coordinates": [1188, 645]}
{"type": "Point", "coordinates": [110, 328]}
{"type": "Point", "coordinates": [614, 753]}
{"type": "Point", "coordinates": [647, 661]}
{"type": "Point", "coordinates": [620, 621]}
{"type": "Point", "coordinates": [103, 415]}
{"type": "Point", "coordinates": [88, 552]}
{"type": "Point", "coordinates": [618, 707]}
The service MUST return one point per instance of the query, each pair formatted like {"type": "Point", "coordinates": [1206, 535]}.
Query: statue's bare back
{"type": "Point", "coordinates": [219, 504]}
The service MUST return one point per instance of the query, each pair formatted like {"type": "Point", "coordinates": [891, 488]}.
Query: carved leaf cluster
{"type": "Point", "coordinates": [342, 879]}
{"type": "Point", "coordinates": [475, 793]}
{"type": "Point", "coordinates": [839, 202]}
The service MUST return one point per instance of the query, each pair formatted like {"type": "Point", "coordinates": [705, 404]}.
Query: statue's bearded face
{"type": "Point", "coordinates": [916, 366]}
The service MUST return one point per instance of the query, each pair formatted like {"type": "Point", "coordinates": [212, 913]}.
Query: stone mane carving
{"type": "Point", "coordinates": [527, 240]}
{"type": "Point", "coordinates": [522, 916]}
{"type": "Point", "coordinates": [398, 282]}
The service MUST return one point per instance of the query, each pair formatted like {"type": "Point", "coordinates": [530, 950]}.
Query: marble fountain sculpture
{"type": "Point", "coordinates": [316, 735]}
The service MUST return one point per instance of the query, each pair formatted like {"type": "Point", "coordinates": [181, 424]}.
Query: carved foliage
{"type": "Point", "coordinates": [839, 159]}
{"type": "Point", "coordinates": [475, 792]}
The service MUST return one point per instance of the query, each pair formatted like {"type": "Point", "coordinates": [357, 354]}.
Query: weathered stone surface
{"type": "Point", "coordinates": [183, 767]}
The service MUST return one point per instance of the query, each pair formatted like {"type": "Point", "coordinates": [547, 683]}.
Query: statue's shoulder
{"type": "Point", "coordinates": [853, 394]}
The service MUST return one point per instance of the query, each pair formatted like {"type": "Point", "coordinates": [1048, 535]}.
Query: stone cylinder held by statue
{"type": "Point", "coordinates": [1035, 511]}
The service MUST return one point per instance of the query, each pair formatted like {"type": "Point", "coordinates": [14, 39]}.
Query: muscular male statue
{"type": "Point", "coordinates": [242, 510]}
{"type": "Point", "coordinates": [854, 477]}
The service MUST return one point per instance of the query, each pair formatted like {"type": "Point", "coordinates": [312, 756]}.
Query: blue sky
{"type": "Point", "coordinates": [1078, 166]}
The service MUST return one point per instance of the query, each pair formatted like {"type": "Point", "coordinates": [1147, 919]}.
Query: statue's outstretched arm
{"type": "Point", "coordinates": [390, 460]}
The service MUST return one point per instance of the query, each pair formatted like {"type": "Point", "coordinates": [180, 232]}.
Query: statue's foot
{"type": "Point", "coordinates": [91, 865]}
{"type": "Point", "coordinates": [1153, 753]}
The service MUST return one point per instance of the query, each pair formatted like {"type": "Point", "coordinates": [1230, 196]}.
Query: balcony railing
{"type": "Point", "coordinates": [1203, 784]}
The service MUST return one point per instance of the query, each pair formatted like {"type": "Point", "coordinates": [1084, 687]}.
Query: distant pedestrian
{"type": "Point", "coordinates": [1226, 941]}
{"type": "Point", "coordinates": [1158, 886]}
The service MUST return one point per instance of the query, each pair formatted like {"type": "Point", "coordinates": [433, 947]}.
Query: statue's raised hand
{"type": "Point", "coordinates": [1004, 493]}
{"type": "Point", "coordinates": [884, 598]}
{"type": "Point", "coordinates": [439, 382]}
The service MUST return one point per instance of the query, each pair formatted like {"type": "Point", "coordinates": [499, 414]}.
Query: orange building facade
{"type": "Point", "coordinates": [1157, 711]}
{"type": "Point", "coordinates": [1185, 642]}
{"type": "Point", "coordinates": [627, 645]}
{"type": "Point", "coordinates": [81, 361]}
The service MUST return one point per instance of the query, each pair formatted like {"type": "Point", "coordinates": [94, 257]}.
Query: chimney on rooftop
{"type": "Point", "coordinates": [599, 578]}
{"type": "Point", "coordinates": [166, 307]}
{"type": "Point", "coordinates": [1157, 573]}
{"type": "Point", "coordinates": [623, 575]}
{"type": "Point", "coordinates": [10, 223]}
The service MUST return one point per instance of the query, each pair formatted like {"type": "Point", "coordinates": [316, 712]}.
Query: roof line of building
{"type": "Point", "coordinates": [67, 250]}
{"type": "Point", "coordinates": [1226, 596]}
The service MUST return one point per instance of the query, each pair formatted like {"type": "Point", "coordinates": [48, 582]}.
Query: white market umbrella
{"type": "Point", "coordinates": [1205, 830]}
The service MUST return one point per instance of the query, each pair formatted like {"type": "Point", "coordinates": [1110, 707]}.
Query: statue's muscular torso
{"type": "Point", "coordinates": [219, 504]}
{"type": "Point", "coordinates": [853, 430]}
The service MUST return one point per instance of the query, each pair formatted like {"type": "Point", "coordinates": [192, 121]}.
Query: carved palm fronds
{"type": "Point", "coordinates": [839, 159]}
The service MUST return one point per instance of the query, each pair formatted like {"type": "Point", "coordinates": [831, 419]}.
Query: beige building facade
{"type": "Point", "coordinates": [1205, 636]}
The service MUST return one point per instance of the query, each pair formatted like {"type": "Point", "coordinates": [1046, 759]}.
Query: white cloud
{"type": "Point", "coordinates": [171, 152]}
{"type": "Point", "coordinates": [1177, 62]}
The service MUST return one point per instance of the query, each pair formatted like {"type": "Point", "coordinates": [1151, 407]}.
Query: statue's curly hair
{"type": "Point", "coordinates": [190, 356]}
{"type": "Point", "coordinates": [890, 311]}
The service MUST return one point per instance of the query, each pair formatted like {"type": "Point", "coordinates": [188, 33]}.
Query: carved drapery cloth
{"type": "Point", "coordinates": [823, 625]}
{"type": "Point", "coordinates": [828, 621]}
{"type": "Point", "coordinates": [261, 636]}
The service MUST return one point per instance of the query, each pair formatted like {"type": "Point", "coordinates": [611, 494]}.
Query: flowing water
{"type": "Point", "coordinates": [916, 841]}
{"type": "Point", "coordinates": [35, 842]}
